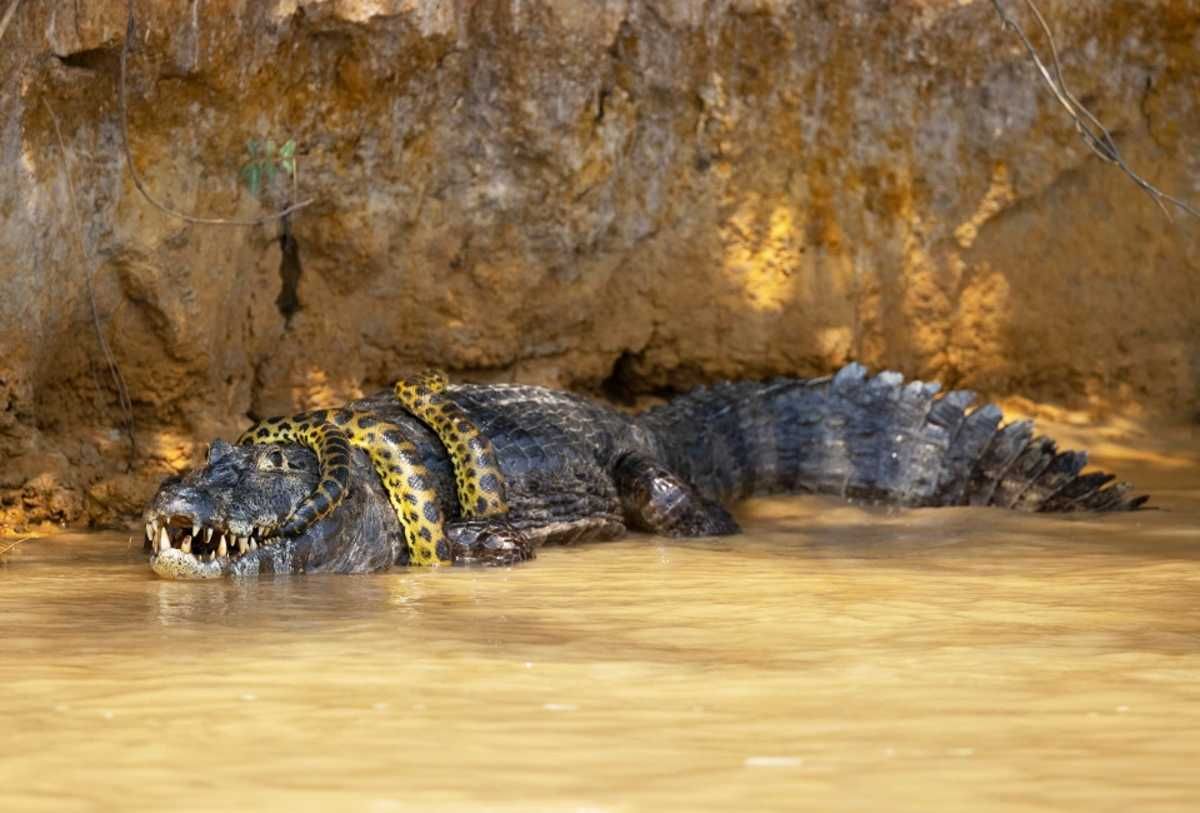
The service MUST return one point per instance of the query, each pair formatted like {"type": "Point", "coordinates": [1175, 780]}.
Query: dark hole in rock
{"type": "Point", "coordinates": [290, 269]}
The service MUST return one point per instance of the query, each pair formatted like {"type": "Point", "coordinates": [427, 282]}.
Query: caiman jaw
{"type": "Point", "coordinates": [184, 548]}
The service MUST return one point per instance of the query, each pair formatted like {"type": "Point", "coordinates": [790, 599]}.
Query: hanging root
{"type": "Point", "coordinates": [1094, 134]}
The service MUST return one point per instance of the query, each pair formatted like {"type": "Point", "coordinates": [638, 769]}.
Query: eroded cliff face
{"type": "Point", "coordinates": [629, 196]}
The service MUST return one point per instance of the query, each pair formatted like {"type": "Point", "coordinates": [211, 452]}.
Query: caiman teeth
{"type": "Point", "coordinates": [207, 543]}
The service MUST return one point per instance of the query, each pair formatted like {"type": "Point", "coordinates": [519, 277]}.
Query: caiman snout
{"type": "Point", "coordinates": [222, 518]}
{"type": "Point", "coordinates": [189, 539]}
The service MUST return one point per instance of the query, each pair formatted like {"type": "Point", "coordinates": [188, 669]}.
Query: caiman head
{"type": "Point", "coordinates": [218, 519]}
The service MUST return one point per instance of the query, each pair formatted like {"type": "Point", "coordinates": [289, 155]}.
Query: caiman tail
{"type": "Point", "coordinates": [874, 438]}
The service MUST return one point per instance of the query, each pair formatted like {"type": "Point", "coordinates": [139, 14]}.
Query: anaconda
{"type": "Point", "coordinates": [570, 469]}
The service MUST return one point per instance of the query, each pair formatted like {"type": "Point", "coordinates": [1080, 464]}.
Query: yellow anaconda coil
{"type": "Point", "coordinates": [476, 472]}
{"type": "Point", "coordinates": [330, 434]}
{"type": "Point", "coordinates": [332, 448]}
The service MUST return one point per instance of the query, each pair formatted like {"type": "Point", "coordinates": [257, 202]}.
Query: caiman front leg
{"type": "Point", "coordinates": [476, 472]}
{"type": "Point", "coordinates": [488, 542]}
{"type": "Point", "coordinates": [330, 434]}
{"type": "Point", "coordinates": [657, 500]}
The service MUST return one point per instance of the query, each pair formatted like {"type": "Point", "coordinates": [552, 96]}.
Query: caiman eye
{"type": "Point", "coordinates": [273, 460]}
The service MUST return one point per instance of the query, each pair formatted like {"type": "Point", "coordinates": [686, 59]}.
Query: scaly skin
{"type": "Point", "coordinates": [476, 472]}
{"type": "Point", "coordinates": [332, 447]}
{"type": "Point", "coordinates": [575, 469]}
{"type": "Point", "coordinates": [330, 433]}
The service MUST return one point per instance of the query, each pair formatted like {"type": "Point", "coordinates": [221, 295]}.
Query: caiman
{"type": "Point", "coordinates": [431, 474]}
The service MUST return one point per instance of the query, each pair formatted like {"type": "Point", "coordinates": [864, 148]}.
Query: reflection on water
{"type": "Point", "coordinates": [835, 657]}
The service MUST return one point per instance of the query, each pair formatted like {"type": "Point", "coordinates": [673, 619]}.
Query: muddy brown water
{"type": "Point", "coordinates": [835, 657]}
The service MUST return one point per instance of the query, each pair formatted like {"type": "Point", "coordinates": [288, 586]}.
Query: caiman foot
{"type": "Point", "coordinates": [657, 500]}
{"type": "Point", "coordinates": [488, 543]}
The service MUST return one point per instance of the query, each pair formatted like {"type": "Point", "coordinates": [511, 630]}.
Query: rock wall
{"type": "Point", "coordinates": [622, 196]}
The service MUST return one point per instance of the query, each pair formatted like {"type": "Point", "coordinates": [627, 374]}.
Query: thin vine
{"type": "Point", "coordinates": [1094, 134]}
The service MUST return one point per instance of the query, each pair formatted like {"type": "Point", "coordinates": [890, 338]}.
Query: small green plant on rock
{"type": "Point", "coordinates": [266, 162]}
